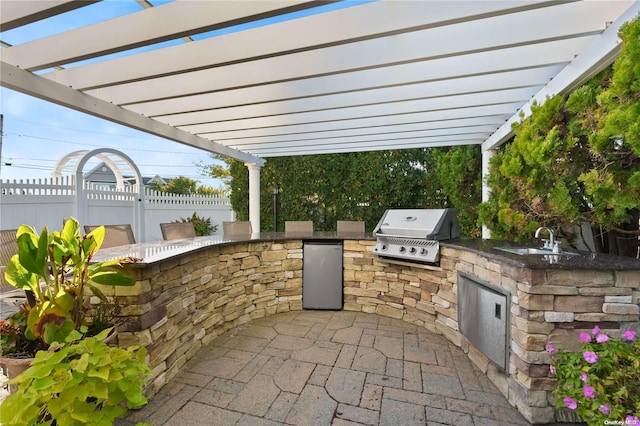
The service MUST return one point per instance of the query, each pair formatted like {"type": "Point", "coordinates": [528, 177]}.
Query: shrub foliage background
{"type": "Point", "coordinates": [359, 186]}
{"type": "Point", "coordinates": [576, 159]}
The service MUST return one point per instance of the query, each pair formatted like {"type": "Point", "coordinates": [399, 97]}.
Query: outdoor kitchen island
{"type": "Point", "coordinates": [190, 291]}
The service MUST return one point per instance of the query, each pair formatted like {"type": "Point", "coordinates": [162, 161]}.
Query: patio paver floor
{"type": "Point", "coordinates": [328, 368]}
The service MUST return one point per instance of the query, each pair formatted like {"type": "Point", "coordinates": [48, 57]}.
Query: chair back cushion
{"type": "Point", "coordinates": [176, 231]}
{"type": "Point", "coordinates": [236, 228]}
{"type": "Point", "coordinates": [298, 226]}
{"type": "Point", "coordinates": [350, 226]}
{"type": "Point", "coordinates": [115, 235]}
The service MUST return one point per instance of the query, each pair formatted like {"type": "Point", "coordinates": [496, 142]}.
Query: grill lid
{"type": "Point", "coordinates": [432, 224]}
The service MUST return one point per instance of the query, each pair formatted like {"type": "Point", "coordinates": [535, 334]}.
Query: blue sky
{"type": "Point", "coordinates": [37, 134]}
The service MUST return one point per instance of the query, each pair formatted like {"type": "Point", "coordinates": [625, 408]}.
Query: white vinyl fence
{"type": "Point", "coordinates": [49, 201]}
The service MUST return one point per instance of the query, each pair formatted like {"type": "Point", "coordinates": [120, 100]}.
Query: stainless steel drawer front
{"type": "Point", "coordinates": [483, 318]}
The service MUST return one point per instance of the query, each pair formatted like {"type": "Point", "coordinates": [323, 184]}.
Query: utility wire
{"type": "Point", "coordinates": [83, 130]}
{"type": "Point", "coordinates": [11, 159]}
{"type": "Point", "coordinates": [102, 145]}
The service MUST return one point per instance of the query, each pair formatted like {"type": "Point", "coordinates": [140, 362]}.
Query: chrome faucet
{"type": "Point", "coordinates": [548, 244]}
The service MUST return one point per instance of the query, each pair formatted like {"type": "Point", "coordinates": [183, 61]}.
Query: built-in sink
{"type": "Point", "coordinates": [523, 251]}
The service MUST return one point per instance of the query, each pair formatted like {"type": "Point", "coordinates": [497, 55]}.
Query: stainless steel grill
{"type": "Point", "coordinates": [414, 234]}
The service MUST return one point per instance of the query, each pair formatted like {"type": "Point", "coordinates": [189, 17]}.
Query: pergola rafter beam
{"type": "Point", "coordinates": [486, 124]}
{"type": "Point", "coordinates": [365, 22]}
{"type": "Point", "coordinates": [268, 100]}
{"type": "Point", "coordinates": [592, 60]}
{"type": "Point", "coordinates": [351, 75]}
{"type": "Point", "coordinates": [467, 133]}
{"type": "Point", "coordinates": [400, 50]}
{"type": "Point", "coordinates": [374, 146]}
{"type": "Point", "coordinates": [15, 14]}
{"type": "Point", "coordinates": [354, 115]}
{"type": "Point", "coordinates": [142, 29]}
{"type": "Point", "coordinates": [384, 104]}
{"type": "Point", "coordinates": [31, 84]}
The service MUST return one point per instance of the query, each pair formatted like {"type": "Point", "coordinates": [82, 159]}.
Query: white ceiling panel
{"type": "Point", "coordinates": [332, 77]}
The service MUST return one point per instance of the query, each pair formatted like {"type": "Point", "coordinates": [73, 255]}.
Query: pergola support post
{"type": "Point", "coordinates": [254, 195]}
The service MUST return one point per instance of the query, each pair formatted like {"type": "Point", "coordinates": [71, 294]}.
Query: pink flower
{"type": "Point", "coordinates": [588, 392]}
{"type": "Point", "coordinates": [570, 403]}
{"type": "Point", "coordinates": [590, 356]}
{"type": "Point", "coordinates": [584, 337]}
{"type": "Point", "coordinates": [552, 369]}
{"type": "Point", "coordinates": [630, 335]}
{"type": "Point", "coordinates": [605, 409]}
{"type": "Point", "coordinates": [595, 330]}
{"type": "Point", "coordinates": [601, 338]}
{"type": "Point", "coordinates": [550, 348]}
{"type": "Point", "coordinates": [584, 377]}
{"type": "Point", "coordinates": [632, 421]}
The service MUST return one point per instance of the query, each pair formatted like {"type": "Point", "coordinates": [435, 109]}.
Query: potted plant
{"type": "Point", "coordinates": [201, 225]}
{"type": "Point", "coordinates": [601, 382]}
{"type": "Point", "coordinates": [56, 271]}
{"type": "Point", "coordinates": [81, 381]}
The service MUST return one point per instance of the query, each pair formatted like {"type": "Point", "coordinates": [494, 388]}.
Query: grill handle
{"type": "Point", "coordinates": [399, 236]}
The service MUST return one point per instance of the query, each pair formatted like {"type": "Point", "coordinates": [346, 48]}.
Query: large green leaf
{"type": "Point", "coordinates": [18, 276]}
{"type": "Point", "coordinates": [69, 229]}
{"type": "Point", "coordinates": [98, 293]}
{"type": "Point", "coordinates": [108, 276]}
{"type": "Point", "coordinates": [97, 236]}
{"type": "Point", "coordinates": [32, 251]}
{"type": "Point", "coordinates": [57, 332]}
{"type": "Point", "coordinates": [80, 364]}
{"type": "Point", "coordinates": [49, 322]}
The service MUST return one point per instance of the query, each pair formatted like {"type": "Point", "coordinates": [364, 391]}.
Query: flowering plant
{"type": "Point", "coordinates": [601, 383]}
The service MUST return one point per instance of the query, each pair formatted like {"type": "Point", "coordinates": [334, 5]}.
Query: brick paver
{"type": "Point", "coordinates": [328, 368]}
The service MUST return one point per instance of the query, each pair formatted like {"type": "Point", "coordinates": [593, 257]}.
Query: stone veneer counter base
{"type": "Point", "coordinates": [188, 292]}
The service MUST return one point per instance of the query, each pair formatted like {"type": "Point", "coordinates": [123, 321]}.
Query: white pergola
{"type": "Point", "coordinates": [311, 77]}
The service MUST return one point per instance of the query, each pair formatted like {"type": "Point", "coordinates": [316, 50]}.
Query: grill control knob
{"type": "Point", "coordinates": [384, 247]}
{"type": "Point", "coordinates": [413, 250]}
{"type": "Point", "coordinates": [402, 249]}
{"type": "Point", "coordinates": [424, 251]}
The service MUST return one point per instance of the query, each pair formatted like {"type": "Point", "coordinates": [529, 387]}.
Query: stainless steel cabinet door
{"type": "Point", "coordinates": [322, 276]}
{"type": "Point", "coordinates": [483, 317]}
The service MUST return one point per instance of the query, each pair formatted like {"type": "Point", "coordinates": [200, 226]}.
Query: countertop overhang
{"type": "Point", "coordinates": [150, 253]}
{"type": "Point", "coordinates": [157, 251]}
{"type": "Point", "coordinates": [581, 260]}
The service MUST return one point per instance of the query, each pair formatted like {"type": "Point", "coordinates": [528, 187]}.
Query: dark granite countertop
{"type": "Point", "coordinates": [150, 253]}
{"type": "Point", "coordinates": [157, 251]}
{"type": "Point", "coordinates": [581, 260]}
